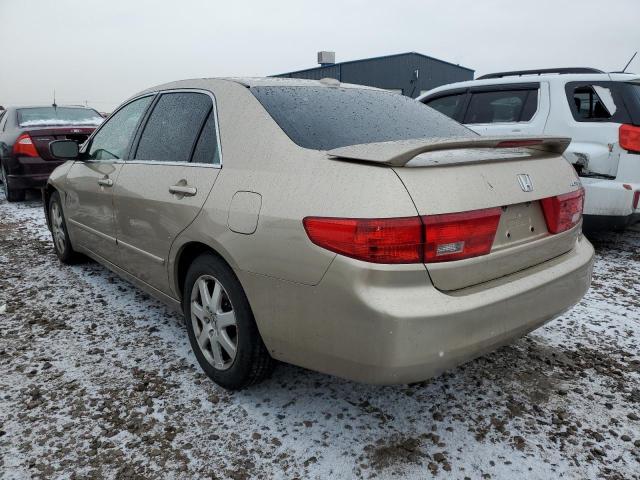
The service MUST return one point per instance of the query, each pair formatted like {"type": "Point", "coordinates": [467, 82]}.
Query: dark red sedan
{"type": "Point", "coordinates": [25, 134]}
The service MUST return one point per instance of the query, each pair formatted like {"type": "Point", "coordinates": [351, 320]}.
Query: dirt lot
{"type": "Point", "coordinates": [98, 381]}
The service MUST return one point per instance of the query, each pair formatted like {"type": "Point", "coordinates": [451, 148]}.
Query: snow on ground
{"type": "Point", "coordinates": [98, 381]}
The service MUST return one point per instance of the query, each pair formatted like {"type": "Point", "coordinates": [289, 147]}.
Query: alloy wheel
{"type": "Point", "coordinates": [214, 322]}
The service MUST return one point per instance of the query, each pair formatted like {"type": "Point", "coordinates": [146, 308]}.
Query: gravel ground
{"type": "Point", "coordinates": [98, 381]}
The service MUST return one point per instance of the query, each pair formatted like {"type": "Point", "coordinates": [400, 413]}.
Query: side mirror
{"type": "Point", "coordinates": [66, 149]}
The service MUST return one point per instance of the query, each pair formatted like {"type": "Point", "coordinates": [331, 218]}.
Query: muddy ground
{"type": "Point", "coordinates": [97, 381]}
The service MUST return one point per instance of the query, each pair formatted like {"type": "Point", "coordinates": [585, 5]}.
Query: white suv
{"type": "Point", "coordinates": [599, 111]}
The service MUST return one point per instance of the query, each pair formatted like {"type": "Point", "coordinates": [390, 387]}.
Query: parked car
{"type": "Point", "coordinates": [599, 111]}
{"type": "Point", "coordinates": [25, 134]}
{"type": "Point", "coordinates": [341, 228]}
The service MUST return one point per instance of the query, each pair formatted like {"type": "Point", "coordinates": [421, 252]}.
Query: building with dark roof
{"type": "Point", "coordinates": [408, 73]}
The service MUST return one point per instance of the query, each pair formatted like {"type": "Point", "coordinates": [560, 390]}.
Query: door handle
{"type": "Point", "coordinates": [183, 190]}
{"type": "Point", "coordinates": [105, 182]}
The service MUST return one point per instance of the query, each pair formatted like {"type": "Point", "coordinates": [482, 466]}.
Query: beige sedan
{"type": "Point", "coordinates": [341, 228]}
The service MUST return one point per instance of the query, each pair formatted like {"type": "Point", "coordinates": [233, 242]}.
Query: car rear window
{"type": "Point", "coordinates": [322, 118]}
{"type": "Point", "coordinates": [52, 116]}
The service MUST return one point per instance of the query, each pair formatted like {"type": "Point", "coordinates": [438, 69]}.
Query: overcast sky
{"type": "Point", "coordinates": [104, 51]}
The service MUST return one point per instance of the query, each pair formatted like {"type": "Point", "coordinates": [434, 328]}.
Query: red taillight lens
{"type": "Point", "coordinates": [564, 211]}
{"type": "Point", "coordinates": [431, 238]}
{"type": "Point", "coordinates": [636, 199]}
{"type": "Point", "coordinates": [24, 146]}
{"type": "Point", "coordinates": [454, 236]}
{"type": "Point", "coordinates": [383, 240]}
{"type": "Point", "coordinates": [629, 137]}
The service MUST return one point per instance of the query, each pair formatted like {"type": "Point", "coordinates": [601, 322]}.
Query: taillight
{"type": "Point", "coordinates": [563, 211]}
{"type": "Point", "coordinates": [454, 236]}
{"type": "Point", "coordinates": [24, 146]}
{"type": "Point", "coordinates": [431, 238]}
{"type": "Point", "coordinates": [636, 199]}
{"type": "Point", "coordinates": [382, 240]}
{"type": "Point", "coordinates": [629, 138]}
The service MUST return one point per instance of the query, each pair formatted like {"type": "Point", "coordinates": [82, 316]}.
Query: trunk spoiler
{"type": "Point", "coordinates": [399, 153]}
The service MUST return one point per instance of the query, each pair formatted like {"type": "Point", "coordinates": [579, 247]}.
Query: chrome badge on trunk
{"type": "Point", "coordinates": [525, 182]}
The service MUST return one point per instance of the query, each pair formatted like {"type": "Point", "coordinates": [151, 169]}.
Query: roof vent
{"type": "Point", "coordinates": [326, 58]}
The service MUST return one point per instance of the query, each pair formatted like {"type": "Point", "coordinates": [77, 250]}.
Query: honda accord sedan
{"type": "Point", "coordinates": [345, 229]}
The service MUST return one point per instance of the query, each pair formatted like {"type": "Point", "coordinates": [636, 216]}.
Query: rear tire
{"type": "Point", "coordinates": [221, 327]}
{"type": "Point", "coordinates": [59, 232]}
{"type": "Point", "coordinates": [12, 194]}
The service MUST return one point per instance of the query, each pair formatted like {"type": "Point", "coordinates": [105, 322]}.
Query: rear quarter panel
{"type": "Point", "coordinates": [294, 183]}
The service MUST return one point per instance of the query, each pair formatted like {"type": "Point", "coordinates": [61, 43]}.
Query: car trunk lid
{"type": "Point", "coordinates": [42, 137]}
{"type": "Point", "coordinates": [463, 175]}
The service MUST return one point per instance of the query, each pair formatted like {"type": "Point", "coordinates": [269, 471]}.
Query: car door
{"type": "Point", "coordinates": [90, 181]}
{"type": "Point", "coordinates": [163, 187]}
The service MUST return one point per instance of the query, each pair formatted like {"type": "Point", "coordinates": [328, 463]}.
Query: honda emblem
{"type": "Point", "coordinates": [525, 182]}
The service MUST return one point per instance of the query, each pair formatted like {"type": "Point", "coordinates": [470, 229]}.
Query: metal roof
{"type": "Point", "coordinates": [319, 67]}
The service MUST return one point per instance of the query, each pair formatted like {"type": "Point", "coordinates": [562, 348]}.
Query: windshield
{"type": "Point", "coordinates": [37, 116]}
{"type": "Point", "coordinates": [324, 118]}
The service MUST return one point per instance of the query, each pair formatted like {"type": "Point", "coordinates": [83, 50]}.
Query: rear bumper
{"type": "Point", "coordinates": [376, 324]}
{"type": "Point", "coordinates": [27, 181]}
{"type": "Point", "coordinates": [609, 204]}
{"type": "Point", "coordinates": [598, 223]}
{"type": "Point", "coordinates": [609, 198]}
{"type": "Point", "coordinates": [30, 172]}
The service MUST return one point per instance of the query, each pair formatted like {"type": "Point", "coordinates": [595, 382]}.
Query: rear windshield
{"type": "Point", "coordinates": [324, 118]}
{"type": "Point", "coordinates": [40, 116]}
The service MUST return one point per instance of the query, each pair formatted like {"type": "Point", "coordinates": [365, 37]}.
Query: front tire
{"type": "Point", "coordinates": [12, 194]}
{"type": "Point", "coordinates": [59, 232]}
{"type": "Point", "coordinates": [221, 327]}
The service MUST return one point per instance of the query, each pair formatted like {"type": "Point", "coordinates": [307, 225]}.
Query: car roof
{"type": "Point", "coordinates": [532, 78]}
{"type": "Point", "coordinates": [258, 82]}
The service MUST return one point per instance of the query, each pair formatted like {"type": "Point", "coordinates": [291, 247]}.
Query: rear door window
{"type": "Point", "coordinates": [449, 105]}
{"type": "Point", "coordinates": [207, 149]}
{"type": "Point", "coordinates": [114, 137]}
{"type": "Point", "coordinates": [173, 127]}
{"type": "Point", "coordinates": [503, 106]}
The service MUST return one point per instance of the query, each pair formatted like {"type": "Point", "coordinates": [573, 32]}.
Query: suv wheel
{"type": "Point", "coordinates": [222, 330]}
{"type": "Point", "coordinates": [59, 232]}
{"type": "Point", "coordinates": [12, 194]}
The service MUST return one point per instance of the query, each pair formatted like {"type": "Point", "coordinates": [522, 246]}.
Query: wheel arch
{"type": "Point", "coordinates": [47, 192]}
{"type": "Point", "coordinates": [185, 256]}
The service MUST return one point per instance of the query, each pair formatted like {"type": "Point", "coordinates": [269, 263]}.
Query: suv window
{"type": "Point", "coordinates": [504, 106]}
{"type": "Point", "coordinates": [207, 147]}
{"type": "Point", "coordinates": [448, 105]}
{"type": "Point", "coordinates": [323, 118]}
{"type": "Point", "coordinates": [112, 140]}
{"type": "Point", "coordinates": [173, 127]}
{"type": "Point", "coordinates": [593, 102]}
